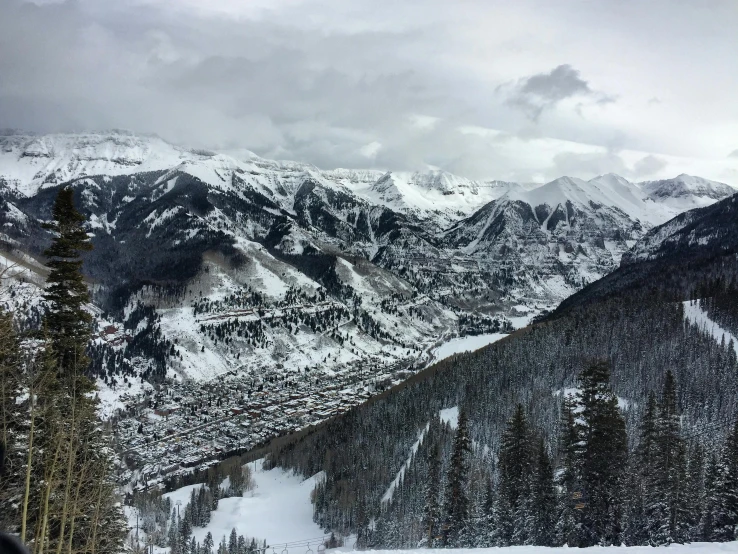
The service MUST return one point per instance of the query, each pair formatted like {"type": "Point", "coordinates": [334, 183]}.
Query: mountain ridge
{"type": "Point", "coordinates": [380, 263]}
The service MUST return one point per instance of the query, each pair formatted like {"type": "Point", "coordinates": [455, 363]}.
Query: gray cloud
{"type": "Point", "coordinates": [647, 166]}
{"type": "Point", "coordinates": [580, 164]}
{"type": "Point", "coordinates": [733, 154]}
{"type": "Point", "coordinates": [545, 90]}
{"type": "Point", "coordinates": [318, 80]}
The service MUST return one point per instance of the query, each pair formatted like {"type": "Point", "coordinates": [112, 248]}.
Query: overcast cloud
{"type": "Point", "coordinates": [525, 90]}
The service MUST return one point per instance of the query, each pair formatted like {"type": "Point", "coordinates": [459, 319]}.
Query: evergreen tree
{"type": "Point", "coordinates": [185, 530]}
{"type": "Point", "coordinates": [695, 491]}
{"type": "Point", "coordinates": [488, 532]}
{"type": "Point", "coordinates": [568, 479]}
{"type": "Point", "coordinates": [646, 510]}
{"type": "Point", "coordinates": [432, 511]}
{"type": "Point", "coordinates": [602, 456]}
{"type": "Point", "coordinates": [14, 429]}
{"type": "Point", "coordinates": [542, 512]}
{"type": "Point", "coordinates": [67, 498]}
{"type": "Point", "coordinates": [208, 543]}
{"type": "Point", "coordinates": [456, 508]}
{"type": "Point", "coordinates": [666, 512]}
{"type": "Point", "coordinates": [67, 321]}
{"type": "Point", "coordinates": [173, 534]}
{"type": "Point", "coordinates": [515, 471]}
{"type": "Point", "coordinates": [726, 518]}
{"type": "Point", "coordinates": [233, 542]}
{"type": "Point", "coordinates": [711, 501]}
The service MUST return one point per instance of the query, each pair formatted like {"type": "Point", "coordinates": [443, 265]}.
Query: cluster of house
{"type": "Point", "coordinates": [181, 426]}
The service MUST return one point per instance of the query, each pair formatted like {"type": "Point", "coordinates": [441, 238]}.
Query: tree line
{"type": "Point", "coordinates": [583, 487]}
{"type": "Point", "coordinates": [56, 487]}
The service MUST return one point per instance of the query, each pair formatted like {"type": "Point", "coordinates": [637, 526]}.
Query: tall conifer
{"type": "Point", "coordinates": [456, 508]}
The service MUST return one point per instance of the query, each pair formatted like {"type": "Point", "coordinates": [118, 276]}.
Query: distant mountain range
{"type": "Point", "coordinates": [250, 263]}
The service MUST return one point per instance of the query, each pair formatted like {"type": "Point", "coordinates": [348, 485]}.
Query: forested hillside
{"type": "Point", "coordinates": [639, 331]}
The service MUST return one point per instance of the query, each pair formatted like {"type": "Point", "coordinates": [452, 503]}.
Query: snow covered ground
{"type": "Point", "coordinates": [465, 344]}
{"type": "Point", "coordinates": [278, 509]}
{"type": "Point", "coordinates": [695, 314]}
{"type": "Point", "coordinates": [694, 548]}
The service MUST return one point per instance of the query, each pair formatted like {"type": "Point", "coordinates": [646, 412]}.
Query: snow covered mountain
{"type": "Point", "coordinates": [250, 263]}
{"type": "Point", "coordinates": [691, 231]}
{"type": "Point", "coordinates": [686, 192]}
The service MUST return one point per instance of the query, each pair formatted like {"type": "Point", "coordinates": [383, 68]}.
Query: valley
{"type": "Point", "coordinates": [249, 300]}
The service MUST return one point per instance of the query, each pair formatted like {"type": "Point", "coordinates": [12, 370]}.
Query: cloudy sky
{"type": "Point", "coordinates": [524, 90]}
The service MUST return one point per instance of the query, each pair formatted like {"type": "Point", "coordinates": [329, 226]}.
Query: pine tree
{"type": "Point", "coordinates": [68, 500]}
{"type": "Point", "coordinates": [208, 543]}
{"type": "Point", "coordinates": [666, 511]}
{"type": "Point", "coordinates": [602, 456]}
{"type": "Point", "coordinates": [67, 321]}
{"type": "Point", "coordinates": [568, 478]}
{"type": "Point", "coordinates": [651, 515]}
{"type": "Point", "coordinates": [14, 431]}
{"type": "Point", "coordinates": [432, 510]}
{"type": "Point", "coordinates": [711, 501]}
{"type": "Point", "coordinates": [233, 542]}
{"type": "Point", "coordinates": [456, 508]}
{"type": "Point", "coordinates": [695, 491]}
{"type": "Point", "coordinates": [542, 512]}
{"type": "Point", "coordinates": [488, 533]}
{"type": "Point", "coordinates": [185, 530]}
{"type": "Point", "coordinates": [726, 518]}
{"type": "Point", "coordinates": [515, 471]}
{"type": "Point", "coordinates": [173, 534]}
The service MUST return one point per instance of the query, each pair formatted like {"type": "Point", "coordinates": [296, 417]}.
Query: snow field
{"type": "Point", "coordinates": [465, 344]}
{"type": "Point", "coordinates": [277, 509]}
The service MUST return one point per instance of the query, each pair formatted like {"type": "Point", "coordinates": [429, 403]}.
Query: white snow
{"type": "Point", "coordinates": [465, 344]}
{"type": "Point", "coordinates": [111, 398]}
{"type": "Point", "coordinates": [693, 548]}
{"type": "Point", "coordinates": [447, 415]}
{"type": "Point", "coordinates": [693, 313]}
{"type": "Point", "coordinates": [450, 416]}
{"type": "Point", "coordinates": [278, 509]}
{"type": "Point", "coordinates": [389, 493]}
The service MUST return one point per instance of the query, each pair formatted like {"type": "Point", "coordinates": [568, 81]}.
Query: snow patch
{"type": "Point", "coordinates": [450, 416]}
{"type": "Point", "coordinates": [465, 344]}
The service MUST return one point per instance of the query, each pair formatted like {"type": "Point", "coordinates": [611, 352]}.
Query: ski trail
{"type": "Point", "coordinates": [401, 474]}
{"type": "Point", "coordinates": [448, 415]}
{"type": "Point", "coordinates": [693, 313]}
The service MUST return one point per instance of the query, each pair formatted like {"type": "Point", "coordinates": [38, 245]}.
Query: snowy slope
{"type": "Point", "coordinates": [277, 509]}
{"type": "Point", "coordinates": [29, 162]}
{"type": "Point", "coordinates": [690, 232]}
{"type": "Point", "coordinates": [686, 192]}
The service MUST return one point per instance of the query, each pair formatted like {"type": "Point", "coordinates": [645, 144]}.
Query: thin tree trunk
{"type": "Point", "coordinates": [96, 519]}
{"type": "Point", "coordinates": [82, 478]}
{"type": "Point", "coordinates": [29, 460]}
{"type": "Point", "coordinates": [50, 474]}
{"type": "Point", "coordinates": [71, 455]}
